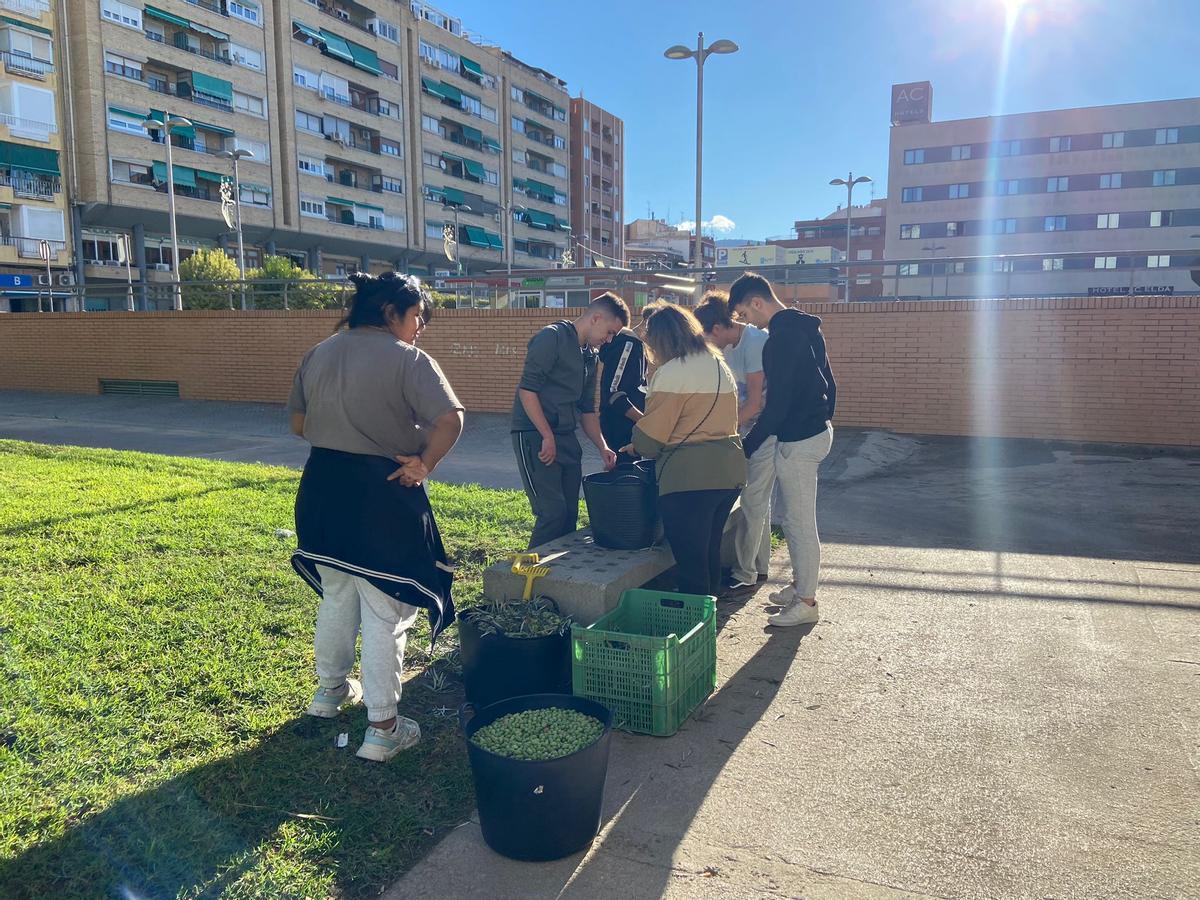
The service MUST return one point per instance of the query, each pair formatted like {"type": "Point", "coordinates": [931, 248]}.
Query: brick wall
{"type": "Point", "coordinates": [1106, 369]}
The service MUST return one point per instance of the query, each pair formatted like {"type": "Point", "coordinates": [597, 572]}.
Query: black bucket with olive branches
{"type": "Point", "coordinates": [510, 648]}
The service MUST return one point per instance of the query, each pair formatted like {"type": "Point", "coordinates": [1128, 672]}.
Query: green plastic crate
{"type": "Point", "coordinates": [652, 660]}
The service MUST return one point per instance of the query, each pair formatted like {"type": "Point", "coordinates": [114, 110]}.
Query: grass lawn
{"type": "Point", "coordinates": [155, 656]}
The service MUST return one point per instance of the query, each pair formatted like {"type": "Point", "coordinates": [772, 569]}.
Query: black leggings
{"type": "Point", "coordinates": [694, 522]}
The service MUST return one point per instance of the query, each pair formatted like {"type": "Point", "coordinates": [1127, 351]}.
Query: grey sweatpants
{"type": "Point", "coordinates": [553, 490]}
{"type": "Point", "coordinates": [796, 464]}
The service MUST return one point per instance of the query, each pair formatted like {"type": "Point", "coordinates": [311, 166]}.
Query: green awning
{"type": "Point", "coordinates": [210, 176]}
{"type": "Point", "coordinates": [476, 236]}
{"type": "Point", "coordinates": [492, 143]}
{"type": "Point", "coordinates": [132, 113]}
{"type": "Point", "coordinates": [433, 87]}
{"type": "Point", "coordinates": [451, 93]}
{"type": "Point", "coordinates": [217, 129]}
{"type": "Point", "coordinates": [337, 46]}
{"type": "Point", "coordinates": [520, 184]}
{"type": "Point", "coordinates": [184, 176]}
{"type": "Point", "coordinates": [212, 87]}
{"type": "Point", "coordinates": [469, 65]}
{"type": "Point", "coordinates": [211, 32]}
{"type": "Point", "coordinates": [261, 188]}
{"type": "Point", "coordinates": [475, 168]}
{"type": "Point", "coordinates": [494, 240]}
{"type": "Point", "coordinates": [155, 13]}
{"type": "Point", "coordinates": [38, 28]}
{"type": "Point", "coordinates": [339, 201]}
{"type": "Point", "coordinates": [311, 33]}
{"type": "Point", "coordinates": [377, 209]}
{"type": "Point", "coordinates": [472, 134]}
{"type": "Point", "coordinates": [539, 219]}
{"type": "Point", "coordinates": [29, 159]}
{"type": "Point", "coordinates": [563, 223]}
{"type": "Point", "coordinates": [365, 58]}
{"type": "Point", "coordinates": [542, 190]}
{"type": "Point", "coordinates": [436, 193]}
{"type": "Point", "coordinates": [184, 131]}
{"type": "Point", "coordinates": [453, 196]}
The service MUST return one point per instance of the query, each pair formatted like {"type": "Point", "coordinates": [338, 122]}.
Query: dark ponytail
{"type": "Point", "coordinates": [374, 295]}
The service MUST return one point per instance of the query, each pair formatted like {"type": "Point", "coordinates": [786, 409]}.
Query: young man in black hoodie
{"type": "Point", "coordinates": [801, 394]}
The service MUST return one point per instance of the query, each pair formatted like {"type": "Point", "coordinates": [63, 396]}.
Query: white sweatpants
{"type": "Point", "coordinates": [796, 464]}
{"type": "Point", "coordinates": [751, 524]}
{"type": "Point", "coordinates": [347, 602]}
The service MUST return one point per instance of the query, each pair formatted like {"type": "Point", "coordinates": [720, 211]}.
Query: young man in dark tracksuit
{"type": "Point", "coordinates": [623, 387]}
{"type": "Point", "coordinates": [557, 392]}
{"type": "Point", "coordinates": [801, 394]}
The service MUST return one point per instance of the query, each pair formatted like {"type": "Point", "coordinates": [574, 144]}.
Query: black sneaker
{"type": "Point", "coordinates": [733, 589]}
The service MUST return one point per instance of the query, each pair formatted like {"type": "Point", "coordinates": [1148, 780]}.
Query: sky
{"type": "Point", "coordinates": [807, 97]}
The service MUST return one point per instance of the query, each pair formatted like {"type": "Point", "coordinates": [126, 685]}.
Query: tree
{"type": "Point", "coordinates": [304, 289]}
{"type": "Point", "coordinates": [207, 267]}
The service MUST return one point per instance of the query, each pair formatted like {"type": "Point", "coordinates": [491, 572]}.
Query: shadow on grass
{"type": "Point", "coordinates": [291, 816]}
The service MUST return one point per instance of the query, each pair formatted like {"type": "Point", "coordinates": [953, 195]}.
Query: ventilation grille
{"type": "Point", "coordinates": [145, 388]}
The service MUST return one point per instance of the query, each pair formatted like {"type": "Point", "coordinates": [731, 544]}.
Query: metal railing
{"type": "Point", "coordinates": [148, 296]}
{"type": "Point", "coordinates": [34, 8]}
{"type": "Point", "coordinates": [14, 63]}
{"type": "Point", "coordinates": [195, 51]}
{"type": "Point", "coordinates": [34, 187]}
{"type": "Point", "coordinates": [28, 124]}
{"type": "Point", "coordinates": [30, 248]}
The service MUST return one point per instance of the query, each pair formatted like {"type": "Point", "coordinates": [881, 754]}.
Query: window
{"type": "Point", "coordinates": [1166, 136]}
{"type": "Point", "coordinates": [956, 268]}
{"type": "Point", "coordinates": [311, 165]}
{"type": "Point", "coordinates": [121, 14]}
{"type": "Point", "coordinates": [587, 152]}
{"type": "Point", "coordinates": [1060, 144]}
{"type": "Point", "coordinates": [254, 195]}
{"type": "Point", "coordinates": [433, 160]}
{"type": "Point", "coordinates": [1058, 184]}
{"type": "Point", "coordinates": [305, 78]}
{"type": "Point", "coordinates": [430, 124]}
{"type": "Point", "coordinates": [31, 46]}
{"type": "Point", "coordinates": [100, 249]}
{"type": "Point", "coordinates": [1164, 177]}
{"type": "Point", "coordinates": [914, 157]}
{"type": "Point", "coordinates": [389, 70]}
{"type": "Point", "coordinates": [910, 269]}
{"type": "Point", "coordinates": [119, 121]}
{"type": "Point", "coordinates": [587, 125]}
{"type": "Point", "coordinates": [1108, 220]}
{"type": "Point", "coordinates": [471, 104]}
{"type": "Point", "coordinates": [1008, 148]}
{"type": "Point", "coordinates": [1055, 223]}
{"type": "Point", "coordinates": [1105, 262]}
{"type": "Point", "coordinates": [1002, 265]}
{"type": "Point", "coordinates": [244, 56]}
{"type": "Point", "coordinates": [312, 206]}
{"type": "Point", "coordinates": [910, 232]}
{"type": "Point", "coordinates": [1159, 218]}
{"type": "Point", "coordinates": [1110, 181]}
{"type": "Point", "coordinates": [873, 231]}
{"type": "Point", "coordinates": [391, 148]}
{"type": "Point", "coordinates": [434, 229]}
{"type": "Point", "coordinates": [308, 122]}
{"type": "Point", "coordinates": [961, 151]}
{"type": "Point", "coordinates": [911, 195]}
{"type": "Point", "coordinates": [1052, 264]}
{"type": "Point", "coordinates": [244, 9]}
{"type": "Point", "coordinates": [392, 186]}
{"type": "Point", "coordinates": [1009, 187]}
{"type": "Point", "coordinates": [518, 125]}
{"type": "Point", "coordinates": [260, 149]}
{"type": "Point", "coordinates": [488, 113]}
{"type": "Point", "coordinates": [1112, 140]}
{"type": "Point", "coordinates": [123, 66]}
{"type": "Point", "coordinates": [387, 31]}
{"type": "Point", "coordinates": [248, 103]}
{"type": "Point", "coordinates": [960, 191]}
{"type": "Point", "coordinates": [954, 229]}
{"type": "Point", "coordinates": [517, 94]}
{"type": "Point", "coordinates": [131, 172]}
{"type": "Point", "coordinates": [1004, 226]}
{"type": "Point", "coordinates": [1158, 262]}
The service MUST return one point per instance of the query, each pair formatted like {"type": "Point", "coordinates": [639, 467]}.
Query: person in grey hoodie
{"type": "Point", "coordinates": [799, 409]}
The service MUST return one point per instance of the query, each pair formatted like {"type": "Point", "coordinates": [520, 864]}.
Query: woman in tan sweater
{"type": "Point", "coordinates": [690, 430]}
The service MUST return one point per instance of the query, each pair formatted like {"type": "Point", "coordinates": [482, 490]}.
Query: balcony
{"type": "Point", "coordinates": [30, 128]}
{"type": "Point", "coordinates": [215, 54]}
{"type": "Point", "coordinates": [210, 5]}
{"type": "Point", "coordinates": [30, 186]}
{"type": "Point", "coordinates": [16, 64]}
{"type": "Point", "coordinates": [347, 14]}
{"type": "Point", "coordinates": [30, 248]}
{"type": "Point", "coordinates": [33, 8]}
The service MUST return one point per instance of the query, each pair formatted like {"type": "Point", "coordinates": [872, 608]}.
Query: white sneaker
{"type": "Point", "coordinates": [784, 596]}
{"type": "Point", "coordinates": [795, 613]}
{"type": "Point", "coordinates": [380, 746]}
{"type": "Point", "coordinates": [328, 702]}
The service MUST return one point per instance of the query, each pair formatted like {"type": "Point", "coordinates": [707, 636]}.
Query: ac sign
{"type": "Point", "coordinates": [912, 102]}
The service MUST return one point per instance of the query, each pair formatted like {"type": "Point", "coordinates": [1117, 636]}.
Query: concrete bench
{"type": "Point", "coordinates": [588, 581]}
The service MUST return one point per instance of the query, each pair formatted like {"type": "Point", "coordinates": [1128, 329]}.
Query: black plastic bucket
{"type": "Point", "coordinates": [623, 506]}
{"type": "Point", "coordinates": [538, 810]}
{"type": "Point", "coordinates": [496, 667]}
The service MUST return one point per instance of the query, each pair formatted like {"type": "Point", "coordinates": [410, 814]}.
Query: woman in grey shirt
{"type": "Point", "coordinates": [365, 399]}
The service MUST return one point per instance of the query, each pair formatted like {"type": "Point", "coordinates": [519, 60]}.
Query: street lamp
{"type": "Point", "coordinates": [507, 211]}
{"type": "Point", "coordinates": [235, 155]}
{"type": "Point", "coordinates": [850, 181]}
{"type": "Point", "coordinates": [933, 251]}
{"type": "Point", "coordinates": [169, 123]}
{"type": "Point", "coordinates": [700, 54]}
{"type": "Point", "coordinates": [457, 208]}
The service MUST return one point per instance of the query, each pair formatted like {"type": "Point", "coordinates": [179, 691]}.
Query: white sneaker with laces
{"type": "Point", "coordinates": [380, 746]}
{"type": "Point", "coordinates": [795, 613]}
{"type": "Point", "coordinates": [328, 702]}
{"type": "Point", "coordinates": [784, 595]}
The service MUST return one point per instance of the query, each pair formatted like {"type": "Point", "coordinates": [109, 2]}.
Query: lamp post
{"type": "Point", "coordinates": [700, 54]}
{"type": "Point", "coordinates": [236, 155]}
{"type": "Point", "coordinates": [457, 208]}
{"type": "Point", "coordinates": [933, 250]}
{"type": "Point", "coordinates": [170, 122]}
{"type": "Point", "coordinates": [508, 210]}
{"type": "Point", "coordinates": [850, 181]}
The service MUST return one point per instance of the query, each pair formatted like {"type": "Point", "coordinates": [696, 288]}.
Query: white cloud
{"type": "Point", "coordinates": [716, 223]}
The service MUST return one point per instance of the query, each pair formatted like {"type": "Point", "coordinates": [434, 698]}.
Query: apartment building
{"type": "Point", "coordinates": [597, 184]}
{"type": "Point", "coordinates": [653, 244]}
{"type": "Point", "coordinates": [371, 127]}
{"type": "Point", "coordinates": [33, 202]}
{"type": "Point", "coordinates": [1105, 200]}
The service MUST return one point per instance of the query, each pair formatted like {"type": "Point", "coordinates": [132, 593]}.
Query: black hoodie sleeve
{"type": "Point", "coordinates": [787, 372]}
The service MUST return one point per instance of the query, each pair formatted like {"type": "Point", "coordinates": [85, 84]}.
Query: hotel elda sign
{"type": "Point", "coordinates": [912, 103]}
